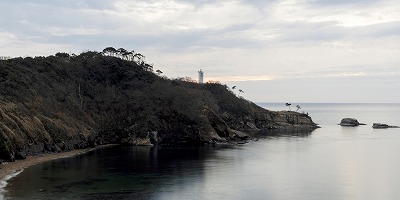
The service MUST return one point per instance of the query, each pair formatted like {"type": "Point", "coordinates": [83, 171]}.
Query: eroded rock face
{"type": "Point", "coordinates": [284, 120]}
{"type": "Point", "coordinates": [350, 122]}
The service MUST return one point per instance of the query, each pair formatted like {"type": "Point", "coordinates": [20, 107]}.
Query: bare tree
{"type": "Point", "coordinates": [288, 105]}
{"type": "Point", "coordinates": [158, 72]}
{"type": "Point", "coordinates": [240, 91]}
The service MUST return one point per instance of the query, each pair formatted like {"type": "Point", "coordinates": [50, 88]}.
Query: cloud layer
{"type": "Point", "coordinates": [236, 42]}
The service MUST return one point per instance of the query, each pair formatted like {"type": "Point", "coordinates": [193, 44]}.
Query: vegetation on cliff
{"type": "Point", "coordinates": [62, 102]}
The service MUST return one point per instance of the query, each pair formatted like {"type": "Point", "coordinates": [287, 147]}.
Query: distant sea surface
{"type": "Point", "coordinates": [331, 163]}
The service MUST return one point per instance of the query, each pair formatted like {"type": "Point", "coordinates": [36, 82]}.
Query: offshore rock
{"type": "Point", "coordinates": [350, 122]}
{"type": "Point", "coordinates": [381, 126]}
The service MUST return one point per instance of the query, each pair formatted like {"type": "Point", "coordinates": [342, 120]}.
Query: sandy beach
{"type": "Point", "coordinates": [9, 168]}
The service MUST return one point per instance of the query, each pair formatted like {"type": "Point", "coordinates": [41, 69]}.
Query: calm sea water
{"type": "Point", "coordinates": [333, 162]}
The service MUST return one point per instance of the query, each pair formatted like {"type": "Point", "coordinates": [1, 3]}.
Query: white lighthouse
{"type": "Point", "coordinates": [201, 77]}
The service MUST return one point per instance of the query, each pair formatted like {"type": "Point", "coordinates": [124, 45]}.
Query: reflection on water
{"type": "Point", "coordinates": [333, 162]}
{"type": "Point", "coordinates": [123, 172]}
{"type": "Point", "coordinates": [263, 133]}
{"type": "Point", "coordinates": [312, 167]}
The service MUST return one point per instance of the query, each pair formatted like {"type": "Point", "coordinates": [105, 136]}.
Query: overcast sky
{"type": "Point", "coordinates": [275, 51]}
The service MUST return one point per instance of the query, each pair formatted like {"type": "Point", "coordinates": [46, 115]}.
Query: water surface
{"type": "Point", "coordinates": [332, 162]}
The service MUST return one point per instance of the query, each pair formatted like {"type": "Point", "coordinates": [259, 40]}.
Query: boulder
{"type": "Point", "coordinates": [350, 122]}
{"type": "Point", "coordinates": [20, 155]}
{"type": "Point", "coordinates": [379, 125]}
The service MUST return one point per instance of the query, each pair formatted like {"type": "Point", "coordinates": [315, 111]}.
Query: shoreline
{"type": "Point", "coordinates": [10, 168]}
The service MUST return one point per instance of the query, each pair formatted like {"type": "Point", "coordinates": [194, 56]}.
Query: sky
{"type": "Point", "coordinates": [333, 51]}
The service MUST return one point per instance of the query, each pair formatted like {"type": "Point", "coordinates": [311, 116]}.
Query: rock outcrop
{"type": "Point", "coordinates": [350, 122]}
{"type": "Point", "coordinates": [381, 126]}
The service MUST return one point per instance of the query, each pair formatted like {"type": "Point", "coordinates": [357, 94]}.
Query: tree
{"type": "Point", "coordinates": [90, 54]}
{"type": "Point", "coordinates": [62, 55]}
{"type": "Point", "coordinates": [130, 55]}
{"type": "Point", "coordinates": [110, 51]}
{"type": "Point", "coordinates": [213, 82]}
{"type": "Point", "coordinates": [189, 79]}
{"type": "Point", "coordinates": [147, 67]}
{"type": "Point", "coordinates": [233, 89]}
{"type": "Point", "coordinates": [139, 58]}
{"type": "Point", "coordinates": [122, 52]}
{"type": "Point", "coordinates": [241, 91]}
{"type": "Point", "coordinates": [158, 72]}
{"type": "Point", "coordinates": [288, 104]}
{"type": "Point", "coordinates": [298, 108]}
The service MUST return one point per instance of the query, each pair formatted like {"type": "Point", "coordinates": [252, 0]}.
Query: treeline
{"type": "Point", "coordinates": [121, 53]}
{"type": "Point", "coordinates": [131, 56]}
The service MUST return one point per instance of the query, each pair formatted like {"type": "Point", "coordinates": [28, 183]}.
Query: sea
{"type": "Point", "coordinates": [330, 163]}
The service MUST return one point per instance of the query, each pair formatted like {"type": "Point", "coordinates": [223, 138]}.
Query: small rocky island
{"type": "Point", "coordinates": [64, 102]}
{"type": "Point", "coordinates": [383, 126]}
{"type": "Point", "coordinates": [350, 122]}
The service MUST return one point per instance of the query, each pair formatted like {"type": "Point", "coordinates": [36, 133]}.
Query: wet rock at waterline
{"type": "Point", "coordinates": [350, 122]}
{"type": "Point", "coordinates": [379, 125]}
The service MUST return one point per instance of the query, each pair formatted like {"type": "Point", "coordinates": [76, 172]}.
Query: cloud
{"type": "Point", "coordinates": [241, 78]}
{"type": "Point", "coordinates": [58, 31]}
{"type": "Point", "coordinates": [343, 2]}
{"type": "Point", "coordinates": [173, 16]}
{"type": "Point", "coordinates": [17, 46]}
{"type": "Point", "coordinates": [242, 40]}
{"type": "Point", "coordinates": [358, 89]}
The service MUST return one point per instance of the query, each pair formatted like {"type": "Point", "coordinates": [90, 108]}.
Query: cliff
{"type": "Point", "coordinates": [63, 102]}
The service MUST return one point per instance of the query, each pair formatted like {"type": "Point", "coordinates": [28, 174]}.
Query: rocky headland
{"type": "Point", "coordinates": [64, 102]}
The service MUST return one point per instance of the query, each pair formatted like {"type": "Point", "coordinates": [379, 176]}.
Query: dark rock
{"type": "Point", "coordinates": [252, 126]}
{"type": "Point", "coordinates": [35, 148]}
{"type": "Point", "coordinates": [92, 141]}
{"type": "Point", "coordinates": [239, 135]}
{"type": "Point", "coordinates": [49, 147]}
{"type": "Point", "coordinates": [61, 146]}
{"type": "Point", "coordinates": [216, 121]}
{"type": "Point", "coordinates": [379, 125]}
{"type": "Point", "coordinates": [153, 137]}
{"type": "Point", "coordinates": [12, 158]}
{"type": "Point", "coordinates": [286, 120]}
{"type": "Point", "coordinates": [20, 155]}
{"type": "Point", "coordinates": [55, 148]}
{"type": "Point", "coordinates": [350, 122]}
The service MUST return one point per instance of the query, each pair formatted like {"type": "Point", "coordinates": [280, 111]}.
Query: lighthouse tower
{"type": "Point", "coordinates": [201, 77]}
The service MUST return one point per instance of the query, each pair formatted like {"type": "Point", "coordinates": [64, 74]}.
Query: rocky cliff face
{"type": "Point", "coordinates": [284, 120]}
{"type": "Point", "coordinates": [56, 104]}
{"type": "Point", "coordinates": [23, 133]}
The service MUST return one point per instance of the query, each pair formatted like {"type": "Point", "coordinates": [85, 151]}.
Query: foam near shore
{"type": "Point", "coordinates": [3, 182]}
